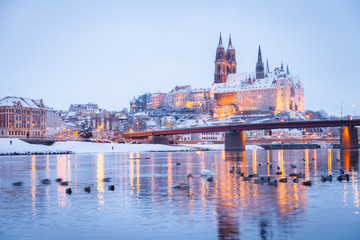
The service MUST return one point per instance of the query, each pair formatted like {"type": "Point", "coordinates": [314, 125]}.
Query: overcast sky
{"type": "Point", "coordinates": [106, 52]}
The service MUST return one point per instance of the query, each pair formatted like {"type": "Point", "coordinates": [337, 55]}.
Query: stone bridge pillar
{"type": "Point", "coordinates": [234, 141]}
{"type": "Point", "coordinates": [161, 140]}
{"type": "Point", "coordinates": [349, 138]}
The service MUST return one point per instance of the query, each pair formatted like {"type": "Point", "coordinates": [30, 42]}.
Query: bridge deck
{"type": "Point", "coordinates": [246, 126]}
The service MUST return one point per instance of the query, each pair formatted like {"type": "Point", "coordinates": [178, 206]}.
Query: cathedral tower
{"type": "Point", "coordinates": [220, 64]}
{"type": "Point", "coordinates": [259, 66]}
{"type": "Point", "coordinates": [230, 58]}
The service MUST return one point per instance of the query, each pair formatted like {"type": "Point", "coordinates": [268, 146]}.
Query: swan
{"type": "Point", "coordinates": [206, 172]}
{"type": "Point", "coordinates": [184, 185]}
{"type": "Point", "coordinates": [209, 173]}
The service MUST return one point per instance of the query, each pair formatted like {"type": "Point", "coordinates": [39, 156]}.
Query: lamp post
{"type": "Point", "coordinates": [342, 103]}
{"type": "Point", "coordinates": [354, 109]}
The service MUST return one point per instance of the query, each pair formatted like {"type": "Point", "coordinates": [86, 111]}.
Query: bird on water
{"type": "Point", "coordinates": [184, 185]}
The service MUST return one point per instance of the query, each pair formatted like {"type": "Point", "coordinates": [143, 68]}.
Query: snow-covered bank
{"type": "Point", "coordinates": [21, 147]}
{"type": "Point", "coordinates": [219, 147]}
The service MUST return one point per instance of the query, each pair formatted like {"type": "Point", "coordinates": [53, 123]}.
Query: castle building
{"type": "Point", "coordinates": [276, 91]}
{"type": "Point", "coordinates": [232, 92]}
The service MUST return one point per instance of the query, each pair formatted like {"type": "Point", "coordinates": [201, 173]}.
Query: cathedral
{"type": "Point", "coordinates": [262, 90]}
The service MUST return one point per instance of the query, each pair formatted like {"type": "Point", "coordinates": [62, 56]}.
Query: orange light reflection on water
{"type": "Point", "coordinates": [63, 172]}
{"type": "Point", "coordinates": [138, 184]}
{"type": "Point", "coordinates": [254, 162]}
{"type": "Point", "coordinates": [329, 162]}
{"type": "Point", "coordinates": [131, 165]}
{"type": "Point", "coordinates": [100, 172]}
{"type": "Point", "coordinates": [170, 177]}
{"type": "Point", "coordinates": [307, 177]}
{"type": "Point", "coordinates": [33, 184]}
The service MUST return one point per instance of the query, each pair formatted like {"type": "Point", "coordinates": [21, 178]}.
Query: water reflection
{"type": "Point", "coordinates": [63, 172]}
{"type": "Point", "coordinates": [236, 208]}
{"type": "Point", "coordinates": [33, 184]}
{"type": "Point", "coordinates": [100, 172]}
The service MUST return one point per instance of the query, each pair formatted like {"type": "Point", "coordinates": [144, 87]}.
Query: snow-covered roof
{"type": "Point", "coordinates": [181, 89]}
{"type": "Point", "coordinates": [295, 131]}
{"type": "Point", "coordinates": [139, 114]}
{"type": "Point", "coordinates": [201, 90]}
{"type": "Point", "coordinates": [247, 81]}
{"type": "Point", "coordinates": [25, 102]}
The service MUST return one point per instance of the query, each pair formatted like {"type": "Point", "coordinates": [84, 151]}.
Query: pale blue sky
{"type": "Point", "coordinates": [109, 51]}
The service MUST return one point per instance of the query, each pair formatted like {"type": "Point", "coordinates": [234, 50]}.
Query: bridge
{"type": "Point", "coordinates": [235, 136]}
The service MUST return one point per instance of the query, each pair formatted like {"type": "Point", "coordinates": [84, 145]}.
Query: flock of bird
{"type": "Point", "coordinates": [69, 191]}
{"type": "Point", "coordinates": [210, 175]}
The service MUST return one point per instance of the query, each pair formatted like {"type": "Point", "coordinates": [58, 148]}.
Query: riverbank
{"type": "Point", "coordinates": [14, 146]}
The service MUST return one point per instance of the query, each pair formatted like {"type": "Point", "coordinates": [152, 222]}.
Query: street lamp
{"type": "Point", "coordinates": [354, 109]}
{"type": "Point", "coordinates": [342, 103]}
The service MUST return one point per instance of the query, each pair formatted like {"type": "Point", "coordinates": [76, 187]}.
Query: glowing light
{"type": "Point", "coordinates": [100, 176]}
{"type": "Point", "coordinates": [170, 177]}
{"type": "Point", "coordinates": [254, 163]}
{"type": "Point", "coordinates": [329, 162]}
{"type": "Point", "coordinates": [307, 177]}
{"type": "Point", "coordinates": [33, 184]}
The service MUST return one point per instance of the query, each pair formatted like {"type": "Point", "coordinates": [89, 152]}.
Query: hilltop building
{"type": "Point", "coordinates": [233, 93]}
{"type": "Point", "coordinates": [276, 91]}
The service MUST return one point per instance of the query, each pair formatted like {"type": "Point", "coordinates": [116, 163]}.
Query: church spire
{"type": "Point", "coordinates": [287, 69]}
{"type": "Point", "coordinates": [259, 66]}
{"type": "Point", "coordinates": [282, 67]}
{"type": "Point", "coordinates": [220, 75]}
{"type": "Point", "coordinates": [220, 45]}
{"type": "Point", "coordinates": [259, 55]}
{"type": "Point", "coordinates": [230, 58]}
{"type": "Point", "coordinates": [230, 46]}
{"type": "Point", "coordinates": [267, 66]}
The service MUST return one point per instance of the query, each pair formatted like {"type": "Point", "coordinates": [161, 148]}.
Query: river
{"type": "Point", "coordinates": [144, 205]}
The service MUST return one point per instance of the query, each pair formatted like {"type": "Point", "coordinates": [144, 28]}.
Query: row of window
{"type": "Point", "coordinates": [19, 125]}
{"type": "Point", "coordinates": [211, 133]}
{"type": "Point", "coordinates": [209, 138]}
{"type": "Point", "coordinates": [21, 133]}
{"type": "Point", "coordinates": [24, 111]}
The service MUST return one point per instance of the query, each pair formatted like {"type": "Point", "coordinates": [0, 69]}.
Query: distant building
{"type": "Point", "coordinates": [22, 117]}
{"type": "Point", "coordinates": [54, 123]}
{"type": "Point", "coordinates": [89, 108]}
{"type": "Point", "coordinates": [157, 99]}
{"type": "Point", "coordinates": [178, 97]}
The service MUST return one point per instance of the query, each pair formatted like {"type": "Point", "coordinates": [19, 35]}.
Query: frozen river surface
{"type": "Point", "coordinates": [144, 205]}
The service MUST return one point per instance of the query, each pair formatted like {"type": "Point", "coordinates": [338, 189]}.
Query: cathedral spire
{"type": "Point", "coordinates": [259, 66]}
{"type": "Point", "coordinates": [287, 69]}
{"type": "Point", "coordinates": [220, 45]}
{"type": "Point", "coordinates": [230, 46]}
{"type": "Point", "coordinates": [259, 55]}
{"type": "Point", "coordinates": [220, 75]}
{"type": "Point", "coordinates": [267, 66]}
{"type": "Point", "coordinates": [282, 67]}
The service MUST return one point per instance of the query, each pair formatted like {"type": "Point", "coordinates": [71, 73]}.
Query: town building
{"type": "Point", "coordinates": [89, 108]}
{"type": "Point", "coordinates": [178, 97]}
{"type": "Point", "coordinates": [158, 99]}
{"type": "Point", "coordinates": [22, 118]}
